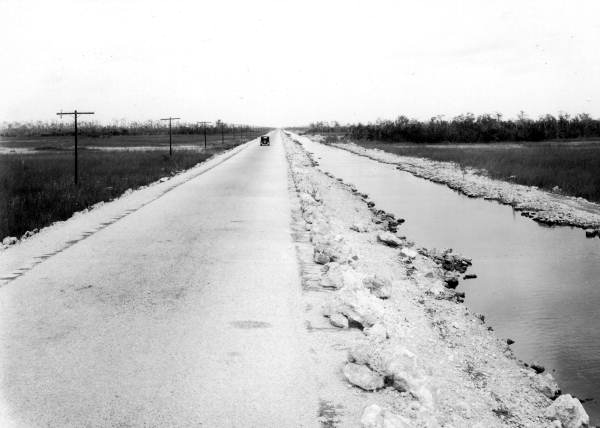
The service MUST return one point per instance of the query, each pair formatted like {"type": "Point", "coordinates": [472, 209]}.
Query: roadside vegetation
{"type": "Point", "coordinates": [36, 164]}
{"type": "Point", "coordinates": [572, 166]}
{"type": "Point", "coordinates": [560, 154]}
{"type": "Point", "coordinates": [37, 190]}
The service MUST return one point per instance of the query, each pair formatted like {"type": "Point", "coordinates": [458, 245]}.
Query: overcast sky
{"type": "Point", "coordinates": [292, 62]}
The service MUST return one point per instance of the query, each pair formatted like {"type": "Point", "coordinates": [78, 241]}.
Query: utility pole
{"type": "Point", "coordinates": [170, 138]}
{"type": "Point", "coordinates": [75, 113]}
{"type": "Point", "coordinates": [204, 124]}
{"type": "Point", "coordinates": [222, 137]}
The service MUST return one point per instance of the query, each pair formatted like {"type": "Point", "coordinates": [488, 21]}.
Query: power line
{"type": "Point", "coordinates": [170, 139]}
{"type": "Point", "coordinates": [75, 113]}
{"type": "Point", "coordinates": [204, 123]}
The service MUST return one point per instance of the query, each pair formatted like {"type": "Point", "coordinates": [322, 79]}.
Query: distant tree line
{"type": "Point", "coordinates": [59, 128]}
{"type": "Point", "coordinates": [469, 128]}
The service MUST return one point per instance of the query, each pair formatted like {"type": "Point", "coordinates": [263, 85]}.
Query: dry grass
{"type": "Point", "coordinates": [37, 189]}
{"type": "Point", "coordinates": [572, 166]}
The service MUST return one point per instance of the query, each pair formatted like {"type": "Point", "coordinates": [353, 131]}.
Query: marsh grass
{"type": "Point", "coordinates": [572, 166]}
{"type": "Point", "coordinates": [37, 189]}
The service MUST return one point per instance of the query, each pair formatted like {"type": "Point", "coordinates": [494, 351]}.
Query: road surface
{"type": "Point", "coordinates": [185, 312]}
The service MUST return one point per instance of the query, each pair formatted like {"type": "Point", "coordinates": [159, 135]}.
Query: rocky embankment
{"type": "Point", "coordinates": [540, 205]}
{"type": "Point", "coordinates": [419, 357]}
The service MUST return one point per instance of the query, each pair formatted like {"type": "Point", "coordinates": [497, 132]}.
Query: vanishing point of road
{"type": "Point", "coordinates": [185, 312]}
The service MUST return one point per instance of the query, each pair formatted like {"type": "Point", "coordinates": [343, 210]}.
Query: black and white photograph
{"type": "Point", "coordinates": [284, 214]}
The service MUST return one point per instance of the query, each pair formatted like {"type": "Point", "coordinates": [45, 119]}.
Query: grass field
{"type": "Point", "coordinates": [36, 189]}
{"type": "Point", "coordinates": [572, 166]}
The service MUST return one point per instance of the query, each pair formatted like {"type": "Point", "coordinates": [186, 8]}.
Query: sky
{"type": "Point", "coordinates": [284, 63]}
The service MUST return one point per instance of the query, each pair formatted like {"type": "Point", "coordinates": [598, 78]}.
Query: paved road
{"type": "Point", "coordinates": [184, 313]}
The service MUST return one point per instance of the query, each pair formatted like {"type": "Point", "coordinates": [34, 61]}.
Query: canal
{"type": "Point", "coordinates": [537, 285]}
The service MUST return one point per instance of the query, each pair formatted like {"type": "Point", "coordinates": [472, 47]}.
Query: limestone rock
{"type": "Point", "coordinates": [358, 305]}
{"type": "Point", "coordinates": [409, 252]}
{"type": "Point", "coordinates": [402, 370]}
{"type": "Point", "coordinates": [334, 277]}
{"type": "Point", "coordinates": [332, 247]}
{"type": "Point", "coordinates": [395, 362]}
{"type": "Point", "coordinates": [377, 332]}
{"type": "Point", "coordinates": [448, 260]}
{"type": "Point", "coordinates": [363, 377]}
{"type": "Point", "coordinates": [359, 227]}
{"type": "Point", "coordinates": [338, 320]}
{"type": "Point", "coordinates": [352, 280]}
{"type": "Point", "coordinates": [389, 239]}
{"type": "Point", "coordinates": [451, 281]}
{"type": "Point", "coordinates": [568, 411]}
{"type": "Point", "coordinates": [9, 240]}
{"type": "Point", "coordinates": [372, 417]}
{"type": "Point", "coordinates": [546, 384]}
{"type": "Point", "coordinates": [324, 254]}
{"type": "Point", "coordinates": [321, 256]}
{"type": "Point", "coordinates": [537, 367]}
{"type": "Point", "coordinates": [375, 417]}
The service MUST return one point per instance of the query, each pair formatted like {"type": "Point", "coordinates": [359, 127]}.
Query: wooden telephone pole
{"type": "Point", "coordinates": [204, 124]}
{"type": "Point", "coordinates": [75, 113]}
{"type": "Point", "coordinates": [170, 139]}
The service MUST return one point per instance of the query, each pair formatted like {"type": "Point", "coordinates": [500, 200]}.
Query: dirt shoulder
{"type": "Point", "coordinates": [539, 205]}
{"type": "Point", "coordinates": [409, 348]}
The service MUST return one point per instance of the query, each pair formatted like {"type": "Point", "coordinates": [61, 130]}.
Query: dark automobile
{"type": "Point", "coordinates": [264, 140]}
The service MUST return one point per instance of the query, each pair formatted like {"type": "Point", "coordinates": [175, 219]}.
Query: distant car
{"type": "Point", "coordinates": [264, 140]}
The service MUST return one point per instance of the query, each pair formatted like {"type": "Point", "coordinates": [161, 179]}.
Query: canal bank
{"type": "Point", "coordinates": [535, 285]}
{"type": "Point", "coordinates": [549, 208]}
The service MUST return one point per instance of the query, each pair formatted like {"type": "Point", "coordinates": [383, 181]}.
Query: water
{"type": "Point", "coordinates": [15, 151]}
{"type": "Point", "coordinates": [537, 285]}
{"type": "Point", "coordinates": [62, 149]}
